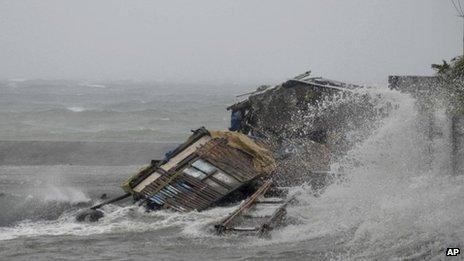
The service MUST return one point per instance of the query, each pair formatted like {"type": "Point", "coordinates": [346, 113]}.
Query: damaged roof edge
{"type": "Point", "coordinates": [303, 78]}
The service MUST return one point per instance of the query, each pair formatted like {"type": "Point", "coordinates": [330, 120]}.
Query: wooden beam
{"type": "Point", "coordinates": [275, 219]}
{"type": "Point", "coordinates": [225, 224]}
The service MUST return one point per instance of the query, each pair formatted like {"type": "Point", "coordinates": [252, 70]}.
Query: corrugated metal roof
{"type": "Point", "coordinates": [326, 82]}
{"type": "Point", "coordinates": [304, 78]}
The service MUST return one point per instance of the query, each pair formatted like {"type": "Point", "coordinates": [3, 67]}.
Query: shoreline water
{"type": "Point", "coordinates": [87, 153]}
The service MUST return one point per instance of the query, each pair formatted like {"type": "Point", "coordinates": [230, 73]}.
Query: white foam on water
{"type": "Point", "coordinates": [93, 85]}
{"type": "Point", "coordinates": [120, 220]}
{"type": "Point", "coordinates": [76, 109]}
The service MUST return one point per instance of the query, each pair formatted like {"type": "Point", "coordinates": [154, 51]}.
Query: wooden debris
{"type": "Point", "coordinates": [198, 174]}
{"type": "Point", "coordinates": [234, 222]}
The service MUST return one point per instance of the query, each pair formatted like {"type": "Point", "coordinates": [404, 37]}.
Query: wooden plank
{"type": "Point", "coordinates": [163, 181]}
{"type": "Point", "coordinates": [142, 175]}
{"type": "Point", "coordinates": [174, 161]}
{"type": "Point", "coordinates": [270, 202]}
{"type": "Point", "coordinates": [230, 160]}
{"type": "Point", "coordinates": [182, 200]}
{"type": "Point", "coordinates": [229, 188]}
{"type": "Point", "coordinates": [275, 219]}
{"type": "Point", "coordinates": [244, 229]}
{"type": "Point", "coordinates": [225, 224]}
{"type": "Point", "coordinates": [185, 198]}
{"type": "Point", "coordinates": [186, 152]}
{"type": "Point", "coordinates": [154, 176]}
{"type": "Point", "coordinates": [190, 198]}
{"type": "Point", "coordinates": [205, 188]}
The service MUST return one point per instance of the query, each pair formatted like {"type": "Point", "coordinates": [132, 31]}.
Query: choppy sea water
{"type": "Point", "coordinates": [115, 111]}
{"type": "Point", "coordinates": [387, 207]}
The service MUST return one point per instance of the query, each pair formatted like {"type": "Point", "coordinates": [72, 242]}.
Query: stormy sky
{"type": "Point", "coordinates": [360, 41]}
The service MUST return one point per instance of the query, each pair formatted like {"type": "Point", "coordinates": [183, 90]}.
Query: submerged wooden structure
{"type": "Point", "coordinates": [210, 168]}
{"type": "Point", "coordinates": [207, 168]}
{"type": "Point", "coordinates": [258, 214]}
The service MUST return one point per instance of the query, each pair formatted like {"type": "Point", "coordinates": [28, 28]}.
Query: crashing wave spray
{"type": "Point", "coordinates": [388, 206]}
{"type": "Point", "coordinates": [321, 133]}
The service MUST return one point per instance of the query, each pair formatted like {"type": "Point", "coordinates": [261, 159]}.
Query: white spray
{"type": "Point", "coordinates": [389, 205]}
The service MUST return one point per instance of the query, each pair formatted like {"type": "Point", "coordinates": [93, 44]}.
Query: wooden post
{"type": "Point", "coordinates": [111, 201]}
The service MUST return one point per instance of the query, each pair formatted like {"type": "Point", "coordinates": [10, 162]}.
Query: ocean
{"type": "Point", "coordinates": [64, 143]}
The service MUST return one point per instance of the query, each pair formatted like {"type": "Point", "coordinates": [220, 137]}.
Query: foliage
{"type": "Point", "coordinates": [441, 68]}
{"type": "Point", "coordinates": [452, 87]}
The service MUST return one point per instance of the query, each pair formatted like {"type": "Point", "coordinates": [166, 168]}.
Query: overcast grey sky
{"type": "Point", "coordinates": [361, 41]}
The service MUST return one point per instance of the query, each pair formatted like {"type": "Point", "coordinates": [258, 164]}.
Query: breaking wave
{"type": "Point", "coordinates": [32, 208]}
{"type": "Point", "coordinates": [117, 220]}
{"type": "Point", "coordinates": [77, 109]}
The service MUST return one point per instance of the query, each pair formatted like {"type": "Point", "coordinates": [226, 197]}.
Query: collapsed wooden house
{"type": "Point", "coordinates": [210, 168]}
{"type": "Point", "coordinates": [201, 172]}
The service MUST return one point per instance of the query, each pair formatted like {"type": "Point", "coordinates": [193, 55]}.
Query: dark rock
{"type": "Point", "coordinates": [89, 215]}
